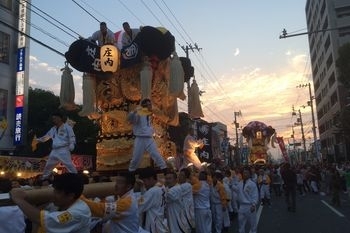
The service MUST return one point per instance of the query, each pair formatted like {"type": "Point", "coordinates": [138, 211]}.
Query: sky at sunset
{"type": "Point", "coordinates": [242, 65]}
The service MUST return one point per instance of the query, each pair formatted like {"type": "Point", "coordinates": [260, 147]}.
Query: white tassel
{"type": "Point", "coordinates": [195, 108]}
{"type": "Point", "coordinates": [177, 77]}
{"type": "Point", "coordinates": [67, 92]}
{"type": "Point", "coordinates": [89, 95]}
{"type": "Point", "coordinates": [146, 79]}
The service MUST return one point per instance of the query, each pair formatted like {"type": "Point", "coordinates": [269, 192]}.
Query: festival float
{"type": "Point", "coordinates": [258, 136]}
{"type": "Point", "coordinates": [116, 79]}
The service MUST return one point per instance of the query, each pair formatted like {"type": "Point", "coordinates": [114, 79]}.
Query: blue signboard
{"type": "Point", "coordinates": [18, 125]}
{"type": "Point", "coordinates": [20, 59]}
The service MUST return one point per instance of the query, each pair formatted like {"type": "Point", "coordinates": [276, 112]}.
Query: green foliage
{"type": "Point", "coordinates": [343, 65]}
{"type": "Point", "coordinates": [41, 105]}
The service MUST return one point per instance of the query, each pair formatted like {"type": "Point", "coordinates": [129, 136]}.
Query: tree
{"type": "Point", "coordinates": [41, 105]}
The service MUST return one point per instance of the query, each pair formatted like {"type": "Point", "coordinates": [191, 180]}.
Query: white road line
{"type": "Point", "coordinates": [258, 214]}
{"type": "Point", "coordinates": [334, 210]}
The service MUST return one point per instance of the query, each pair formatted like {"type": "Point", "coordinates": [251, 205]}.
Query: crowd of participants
{"type": "Point", "coordinates": [189, 200]}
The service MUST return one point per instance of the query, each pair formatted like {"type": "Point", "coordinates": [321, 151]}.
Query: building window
{"type": "Point", "coordinates": [334, 98]}
{"type": "Point", "coordinates": [6, 4]}
{"type": "Point", "coordinates": [318, 99]}
{"type": "Point", "coordinates": [323, 7]}
{"type": "Point", "coordinates": [315, 70]}
{"type": "Point", "coordinates": [327, 43]}
{"type": "Point", "coordinates": [329, 61]}
{"type": "Point", "coordinates": [344, 31]}
{"type": "Point", "coordinates": [343, 12]}
{"type": "Point", "coordinates": [4, 47]}
{"type": "Point", "coordinates": [331, 80]}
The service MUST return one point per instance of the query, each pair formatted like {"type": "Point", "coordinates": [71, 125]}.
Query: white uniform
{"type": "Point", "coordinates": [190, 145]}
{"type": "Point", "coordinates": [109, 38]}
{"type": "Point", "coordinates": [201, 199]}
{"type": "Point", "coordinates": [187, 198]}
{"type": "Point", "coordinates": [123, 213]}
{"type": "Point", "coordinates": [175, 211]}
{"type": "Point", "coordinates": [12, 219]}
{"type": "Point", "coordinates": [218, 201]}
{"type": "Point", "coordinates": [225, 212]}
{"type": "Point", "coordinates": [248, 196]}
{"type": "Point", "coordinates": [228, 182]}
{"type": "Point", "coordinates": [152, 205]}
{"type": "Point", "coordinates": [73, 220]}
{"type": "Point", "coordinates": [63, 141]}
{"type": "Point", "coordinates": [143, 131]}
{"type": "Point", "coordinates": [264, 185]}
{"type": "Point", "coordinates": [126, 39]}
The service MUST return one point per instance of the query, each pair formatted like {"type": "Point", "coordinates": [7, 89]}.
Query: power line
{"type": "Point", "coordinates": [50, 18]}
{"type": "Point", "coordinates": [86, 11]}
{"type": "Point", "coordinates": [100, 14]}
{"type": "Point", "coordinates": [178, 22]}
{"type": "Point", "coordinates": [130, 11]}
{"type": "Point", "coordinates": [149, 9]}
{"type": "Point", "coordinates": [37, 41]}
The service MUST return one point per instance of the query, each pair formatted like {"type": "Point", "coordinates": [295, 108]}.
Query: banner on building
{"type": "Point", "coordinates": [204, 133]}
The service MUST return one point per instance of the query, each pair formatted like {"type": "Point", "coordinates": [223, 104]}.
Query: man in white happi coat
{"type": "Point", "coordinates": [248, 197]}
{"type": "Point", "coordinates": [189, 148]}
{"type": "Point", "coordinates": [201, 199]}
{"type": "Point", "coordinates": [218, 201]}
{"type": "Point", "coordinates": [175, 207]}
{"type": "Point", "coordinates": [70, 213]}
{"type": "Point", "coordinates": [63, 142]}
{"type": "Point", "coordinates": [187, 196]}
{"type": "Point", "coordinates": [12, 219]}
{"type": "Point", "coordinates": [152, 202]}
{"type": "Point", "coordinates": [129, 34]}
{"type": "Point", "coordinates": [103, 36]}
{"type": "Point", "coordinates": [264, 187]}
{"type": "Point", "coordinates": [143, 131]}
{"type": "Point", "coordinates": [122, 214]}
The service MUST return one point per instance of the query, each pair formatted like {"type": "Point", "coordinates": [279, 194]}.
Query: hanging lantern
{"type": "Point", "coordinates": [110, 58]}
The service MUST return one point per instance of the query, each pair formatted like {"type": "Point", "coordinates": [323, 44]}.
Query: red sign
{"type": "Point", "coordinates": [19, 101]}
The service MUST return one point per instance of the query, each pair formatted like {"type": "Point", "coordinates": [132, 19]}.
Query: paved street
{"type": "Point", "coordinates": [314, 214]}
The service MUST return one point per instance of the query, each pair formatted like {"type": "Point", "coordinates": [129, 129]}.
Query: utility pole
{"type": "Point", "coordinates": [310, 103]}
{"type": "Point", "coordinates": [238, 159]}
{"type": "Point", "coordinates": [186, 49]}
{"type": "Point", "coordinates": [300, 122]}
{"type": "Point", "coordinates": [292, 136]}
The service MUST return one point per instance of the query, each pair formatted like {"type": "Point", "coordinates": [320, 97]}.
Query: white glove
{"type": "Point", "coordinates": [71, 146]}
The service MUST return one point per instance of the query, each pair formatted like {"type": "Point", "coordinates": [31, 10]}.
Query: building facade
{"type": "Point", "coordinates": [14, 66]}
{"type": "Point", "coordinates": [328, 23]}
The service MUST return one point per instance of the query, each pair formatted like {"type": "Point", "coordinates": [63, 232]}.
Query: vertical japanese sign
{"type": "Point", "coordinates": [21, 74]}
{"type": "Point", "coordinates": [204, 133]}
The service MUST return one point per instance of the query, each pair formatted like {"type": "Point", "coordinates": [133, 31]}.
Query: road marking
{"type": "Point", "coordinates": [333, 209]}
{"type": "Point", "coordinates": [258, 214]}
